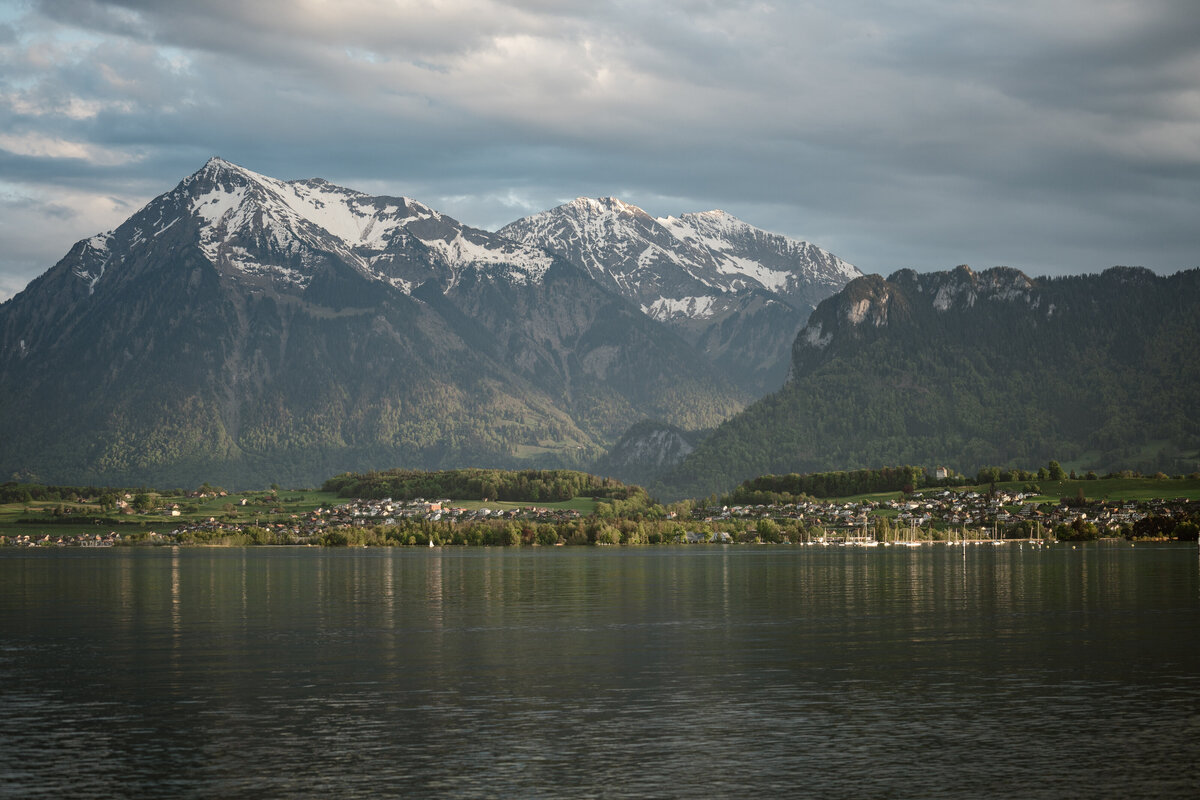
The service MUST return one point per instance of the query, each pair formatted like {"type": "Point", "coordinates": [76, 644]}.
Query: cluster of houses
{"type": "Point", "coordinates": [124, 504]}
{"type": "Point", "coordinates": [362, 513]}
{"type": "Point", "coordinates": [390, 512]}
{"type": "Point", "coordinates": [945, 514]}
{"type": "Point", "coordinates": [107, 539]}
{"type": "Point", "coordinates": [988, 516]}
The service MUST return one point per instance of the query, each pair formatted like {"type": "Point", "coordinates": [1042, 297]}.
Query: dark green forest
{"type": "Point", "coordinates": [1097, 371]}
{"type": "Point", "coordinates": [530, 485]}
{"type": "Point", "coordinates": [792, 488]}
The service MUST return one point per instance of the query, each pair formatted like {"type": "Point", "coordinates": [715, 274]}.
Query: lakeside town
{"type": "Point", "coordinates": [936, 516]}
{"type": "Point", "coordinates": [955, 516]}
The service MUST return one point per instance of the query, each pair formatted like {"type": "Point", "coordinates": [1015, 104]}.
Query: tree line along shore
{"type": "Point", "coordinates": [562, 507]}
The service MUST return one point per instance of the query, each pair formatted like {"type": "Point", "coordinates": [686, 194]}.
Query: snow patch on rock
{"type": "Point", "coordinates": [668, 308]}
{"type": "Point", "coordinates": [292, 218]}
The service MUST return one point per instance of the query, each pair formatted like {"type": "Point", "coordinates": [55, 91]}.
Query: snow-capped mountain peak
{"type": "Point", "coordinates": [224, 194]}
{"type": "Point", "coordinates": [624, 248]}
{"type": "Point", "coordinates": [714, 221]}
{"type": "Point", "coordinates": [738, 292]}
{"type": "Point", "coordinates": [605, 204]}
{"type": "Point", "coordinates": [669, 264]}
{"type": "Point", "coordinates": [254, 227]}
{"type": "Point", "coordinates": [774, 260]}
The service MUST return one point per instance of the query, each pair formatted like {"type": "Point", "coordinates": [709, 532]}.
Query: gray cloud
{"type": "Point", "coordinates": [1052, 136]}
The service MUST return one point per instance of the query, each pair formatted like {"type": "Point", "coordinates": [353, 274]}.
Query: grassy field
{"type": "Point", "coordinates": [1153, 451]}
{"type": "Point", "coordinates": [37, 517]}
{"type": "Point", "coordinates": [1117, 488]}
{"type": "Point", "coordinates": [294, 502]}
{"type": "Point", "coordinates": [551, 448]}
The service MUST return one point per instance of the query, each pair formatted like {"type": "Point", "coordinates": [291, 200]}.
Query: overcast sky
{"type": "Point", "coordinates": [1057, 136]}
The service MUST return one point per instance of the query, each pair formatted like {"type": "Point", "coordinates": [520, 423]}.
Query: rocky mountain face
{"type": "Point", "coordinates": [870, 307]}
{"type": "Point", "coordinates": [968, 369]}
{"type": "Point", "coordinates": [647, 450]}
{"type": "Point", "coordinates": [737, 293]}
{"type": "Point", "coordinates": [245, 330]}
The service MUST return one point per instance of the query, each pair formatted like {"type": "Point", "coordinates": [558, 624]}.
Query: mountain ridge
{"type": "Point", "coordinates": [971, 369]}
{"type": "Point", "coordinates": [736, 292]}
{"type": "Point", "coordinates": [227, 331]}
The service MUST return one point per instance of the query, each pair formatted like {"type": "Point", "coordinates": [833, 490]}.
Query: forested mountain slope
{"type": "Point", "coordinates": [970, 369]}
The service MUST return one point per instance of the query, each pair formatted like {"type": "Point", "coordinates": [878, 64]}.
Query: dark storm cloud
{"type": "Point", "coordinates": [1053, 136]}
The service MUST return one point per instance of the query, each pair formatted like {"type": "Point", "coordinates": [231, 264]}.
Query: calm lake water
{"type": "Point", "coordinates": [638, 672]}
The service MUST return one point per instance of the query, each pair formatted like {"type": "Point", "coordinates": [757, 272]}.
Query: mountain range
{"type": "Point", "coordinates": [737, 293]}
{"type": "Point", "coordinates": [244, 329]}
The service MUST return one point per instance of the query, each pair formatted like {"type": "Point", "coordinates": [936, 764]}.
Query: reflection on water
{"type": "Point", "coordinates": [703, 671]}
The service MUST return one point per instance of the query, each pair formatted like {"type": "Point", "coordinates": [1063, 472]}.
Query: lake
{"type": "Point", "coordinates": [702, 671]}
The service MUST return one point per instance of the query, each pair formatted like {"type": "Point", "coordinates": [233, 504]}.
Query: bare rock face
{"type": "Point", "coordinates": [645, 451]}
